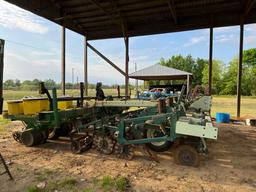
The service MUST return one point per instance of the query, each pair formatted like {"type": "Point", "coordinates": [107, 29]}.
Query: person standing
{"type": "Point", "coordinates": [99, 92]}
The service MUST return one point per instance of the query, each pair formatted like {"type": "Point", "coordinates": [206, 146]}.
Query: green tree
{"type": "Point", "coordinates": [9, 84]}
{"type": "Point", "coordinates": [49, 83]}
{"type": "Point", "coordinates": [197, 71]}
{"type": "Point", "coordinates": [248, 84]}
{"type": "Point", "coordinates": [188, 64]}
{"type": "Point", "coordinates": [217, 69]}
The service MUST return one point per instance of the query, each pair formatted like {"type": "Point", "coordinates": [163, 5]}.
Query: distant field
{"type": "Point", "coordinates": [220, 103]}
{"type": "Point", "coordinates": [228, 105]}
{"type": "Point", "coordinates": [10, 94]}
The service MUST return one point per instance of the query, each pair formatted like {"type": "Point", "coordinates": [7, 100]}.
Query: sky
{"type": "Point", "coordinates": [32, 48]}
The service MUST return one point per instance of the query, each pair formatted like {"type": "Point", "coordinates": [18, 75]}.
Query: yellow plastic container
{"type": "Point", "coordinates": [15, 107]}
{"type": "Point", "coordinates": [62, 105]}
{"type": "Point", "coordinates": [35, 105]}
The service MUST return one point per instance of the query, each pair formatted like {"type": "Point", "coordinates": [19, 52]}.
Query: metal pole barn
{"type": "Point", "coordinates": [239, 74]}
{"type": "Point", "coordinates": [63, 59]}
{"type": "Point", "coordinates": [126, 66]}
{"type": "Point", "coordinates": [210, 62]}
{"type": "Point", "coordinates": [85, 67]}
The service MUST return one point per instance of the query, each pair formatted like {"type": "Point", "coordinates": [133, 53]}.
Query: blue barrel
{"type": "Point", "coordinates": [222, 117]}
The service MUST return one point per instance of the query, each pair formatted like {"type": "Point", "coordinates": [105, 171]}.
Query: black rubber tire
{"type": "Point", "coordinates": [186, 155]}
{"type": "Point", "coordinates": [158, 148]}
{"type": "Point", "coordinates": [162, 148]}
{"type": "Point", "coordinates": [30, 138]}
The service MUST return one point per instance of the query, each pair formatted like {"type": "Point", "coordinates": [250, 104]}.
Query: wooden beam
{"type": "Point", "coordinates": [210, 62]}
{"type": "Point", "coordinates": [240, 63]}
{"type": "Point", "coordinates": [119, 21]}
{"type": "Point", "coordinates": [171, 6]}
{"type": "Point", "coordinates": [56, 4]}
{"type": "Point", "coordinates": [249, 6]}
{"type": "Point", "coordinates": [106, 59]}
{"type": "Point", "coordinates": [95, 2]}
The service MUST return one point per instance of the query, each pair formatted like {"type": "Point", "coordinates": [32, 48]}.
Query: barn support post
{"type": "Point", "coordinates": [210, 62]}
{"type": "Point", "coordinates": [1, 73]}
{"type": "Point", "coordinates": [85, 67]}
{"type": "Point", "coordinates": [240, 63]}
{"type": "Point", "coordinates": [126, 66]}
{"type": "Point", "coordinates": [63, 59]}
{"type": "Point", "coordinates": [188, 84]}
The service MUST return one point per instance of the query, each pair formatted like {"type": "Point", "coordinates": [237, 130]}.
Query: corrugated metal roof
{"type": "Point", "coordinates": [159, 72]}
{"type": "Point", "coordinates": [100, 19]}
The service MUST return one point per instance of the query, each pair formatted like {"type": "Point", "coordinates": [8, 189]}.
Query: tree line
{"type": "Point", "coordinates": [33, 85]}
{"type": "Point", "coordinates": [224, 77]}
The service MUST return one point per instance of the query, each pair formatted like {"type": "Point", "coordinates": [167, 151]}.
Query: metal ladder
{"type": "Point", "coordinates": [6, 167]}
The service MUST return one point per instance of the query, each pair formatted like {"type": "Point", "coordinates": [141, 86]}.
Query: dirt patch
{"type": "Point", "coordinates": [230, 166]}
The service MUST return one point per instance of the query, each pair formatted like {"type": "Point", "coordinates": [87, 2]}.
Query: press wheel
{"type": "Point", "coordinates": [186, 155]}
{"type": "Point", "coordinates": [124, 151]}
{"type": "Point", "coordinates": [75, 147]}
{"type": "Point", "coordinates": [105, 145]}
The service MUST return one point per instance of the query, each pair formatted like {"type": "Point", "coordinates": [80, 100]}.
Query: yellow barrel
{"type": "Point", "coordinates": [15, 107]}
{"type": "Point", "coordinates": [62, 105]}
{"type": "Point", "coordinates": [33, 106]}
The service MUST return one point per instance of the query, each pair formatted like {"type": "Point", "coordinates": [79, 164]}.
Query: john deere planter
{"type": "Point", "coordinates": [111, 128]}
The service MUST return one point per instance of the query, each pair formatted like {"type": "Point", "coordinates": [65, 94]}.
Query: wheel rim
{"type": "Point", "coordinates": [152, 133]}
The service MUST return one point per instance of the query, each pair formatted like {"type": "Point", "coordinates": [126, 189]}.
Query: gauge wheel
{"type": "Point", "coordinates": [157, 146]}
{"type": "Point", "coordinates": [30, 138]}
{"type": "Point", "coordinates": [186, 155]}
{"type": "Point", "coordinates": [54, 133]}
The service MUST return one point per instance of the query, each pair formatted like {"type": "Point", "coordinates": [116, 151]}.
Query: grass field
{"type": "Point", "coordinates": [220, 103]}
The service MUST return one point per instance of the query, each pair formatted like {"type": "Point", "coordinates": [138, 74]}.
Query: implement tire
{"type": "Point", "coordinates": [157, 146]}
{"type": "Point", "coordinates": [186, 155]}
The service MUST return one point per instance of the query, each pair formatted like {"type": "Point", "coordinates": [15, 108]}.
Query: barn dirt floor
{"type": "Point", "coordinates": [230, 166]}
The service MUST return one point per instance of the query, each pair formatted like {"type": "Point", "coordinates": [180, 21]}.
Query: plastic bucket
{"type": "Point", "coordinates": [222, 117]}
